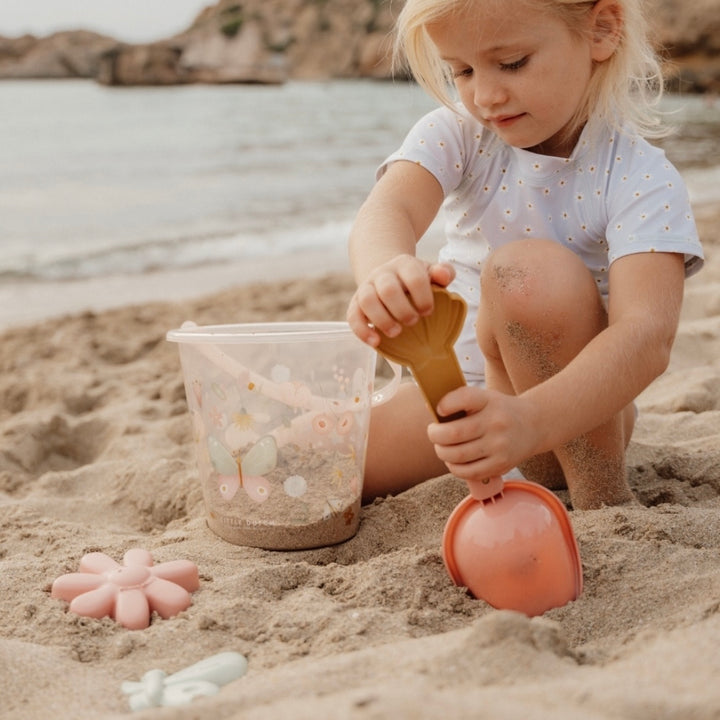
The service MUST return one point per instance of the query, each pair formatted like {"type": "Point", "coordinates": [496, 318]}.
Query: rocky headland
{"type": "Point", "coordinates": [270, 41]}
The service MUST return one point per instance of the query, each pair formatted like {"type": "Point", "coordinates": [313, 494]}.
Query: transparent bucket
{"type": "Point", "coordinates": [280, 414]}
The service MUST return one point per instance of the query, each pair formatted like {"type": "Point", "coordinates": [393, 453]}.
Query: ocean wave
{"type": "Point", "coordinates": [172, 254]}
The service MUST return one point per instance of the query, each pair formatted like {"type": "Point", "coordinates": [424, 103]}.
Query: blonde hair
{"type": "Point", "coordinates": [625, 89]}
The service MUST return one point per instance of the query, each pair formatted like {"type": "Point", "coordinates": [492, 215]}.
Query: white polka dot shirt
{"type": "Point", "coordinates": [615, 195]}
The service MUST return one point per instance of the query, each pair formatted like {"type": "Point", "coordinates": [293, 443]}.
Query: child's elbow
{"type": "Point", "coordinates": [660, 351]}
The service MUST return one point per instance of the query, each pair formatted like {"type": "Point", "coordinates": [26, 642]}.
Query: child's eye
{"type": "Point", "coordinates": [514, 65]}
{"type": "Point", "coordinates": [465, 72]}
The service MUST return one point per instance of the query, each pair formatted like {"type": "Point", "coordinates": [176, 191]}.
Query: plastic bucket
{"type": "Point", "coordinates": [280, 413]}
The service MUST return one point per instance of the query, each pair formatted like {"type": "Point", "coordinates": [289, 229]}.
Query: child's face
{"type": "Point", "coordinates": [518, 70]}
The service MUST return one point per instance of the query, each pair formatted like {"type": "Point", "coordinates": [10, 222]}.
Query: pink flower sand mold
{"type": "Point", "coordinates": [130, 592]}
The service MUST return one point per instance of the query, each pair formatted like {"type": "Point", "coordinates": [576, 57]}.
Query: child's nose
{"type": "Point", "coordinates": [487, 92]}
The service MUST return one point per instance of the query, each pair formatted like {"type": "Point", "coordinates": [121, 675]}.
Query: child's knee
{"type": "Point", "coordinates": [538, 279]}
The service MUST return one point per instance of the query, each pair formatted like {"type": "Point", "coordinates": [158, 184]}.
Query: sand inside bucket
{"type": "Point", "coordinates": [310, 499]}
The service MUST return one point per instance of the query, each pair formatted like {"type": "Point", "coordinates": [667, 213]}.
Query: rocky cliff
{"type": "Point", "coordinates": [688, 33]}
{"type": "Point", "coordinates": [274, 40]}
{"type": "Point", "coordinates": [62, 55]}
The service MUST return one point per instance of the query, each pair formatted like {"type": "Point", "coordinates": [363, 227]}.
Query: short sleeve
{"type": "Point", "coordinates": [650, 211]}
{"type": "Point", "coordinates": [437, 143]}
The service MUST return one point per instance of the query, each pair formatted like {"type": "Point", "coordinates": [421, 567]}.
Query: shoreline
{"type": "Point", "coordinates": [28, 302]}
{"type": "Point", "coordinates": [25, 302]}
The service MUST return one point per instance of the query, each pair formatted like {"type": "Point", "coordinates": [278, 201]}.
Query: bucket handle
{"type": "Point", "coordinates": [387, 392]}
{"type": "Point", "coordinates": [275, 391]}
{"type": "Point", "coordinates": [312, 405]}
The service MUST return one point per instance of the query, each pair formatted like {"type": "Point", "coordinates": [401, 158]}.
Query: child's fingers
{"type": "Point", "coordinates": [417, 277]}
{"type": "Point", "coordinates": [361, 325]}
{"type": "Point", "coordinates": [369, 315]}
{"type": "Point", "coordinates": [385, 305]}
{"type": "Point", "coordinates": [393, 296]}
{"type": "Point", "coordinates": [441, 273]}
{"type": "Point", "coordinates": [462, 453]}
{"type": "Point", "coordinates": [469, 400]}
{"type": "Point", "coordinates": [418, 297]}
{"type": "Point", "coordinates": [399, 293]}
{"type": "Point", "coordinates": [418, 280]}
{"type": "Point", "coordinates": [363, 330]}
{"type": "Point", "coordinates": [493, 436]}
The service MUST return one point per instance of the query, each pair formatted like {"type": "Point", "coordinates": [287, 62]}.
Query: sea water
{"type": "Point", "coordinates": [98, 180]}
{"type": "Point", "coordinates": [125, 182]}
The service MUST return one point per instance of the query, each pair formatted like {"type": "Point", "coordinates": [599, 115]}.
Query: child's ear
{"type": "Point", "coordinates": [606, 28]}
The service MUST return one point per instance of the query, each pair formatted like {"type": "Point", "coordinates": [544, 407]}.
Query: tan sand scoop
{"type": "Point", "coordinates": [427, 349]}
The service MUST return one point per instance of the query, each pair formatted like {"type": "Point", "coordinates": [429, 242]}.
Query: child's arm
{"type": "Point", "coordinates": [646, 291]}
{"type": "Point", "coordinates": [393, 284]}
{"type": "Point", "coordinates": [501, 430]}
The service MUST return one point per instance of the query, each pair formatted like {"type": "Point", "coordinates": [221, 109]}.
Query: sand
{"type": "Point", "coordinates": [96, 455]}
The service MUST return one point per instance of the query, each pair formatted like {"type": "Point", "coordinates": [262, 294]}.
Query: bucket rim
{"type": "Point", "coordinates": [277, 332]}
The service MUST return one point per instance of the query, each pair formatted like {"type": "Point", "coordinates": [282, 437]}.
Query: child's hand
{"type": "Point", "coordinates": [395, 294]}
{"type": "Point", "coordinates": [493, 437]}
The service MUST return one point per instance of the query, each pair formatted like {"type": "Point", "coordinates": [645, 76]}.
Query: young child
{"type": "Point", "coordinates": [567, 233]}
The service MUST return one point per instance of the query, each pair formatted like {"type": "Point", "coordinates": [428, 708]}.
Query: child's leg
{"type": "Point", "coordinates": [540, 307]}
{"type": "Point", "coordinates": [399, 453]}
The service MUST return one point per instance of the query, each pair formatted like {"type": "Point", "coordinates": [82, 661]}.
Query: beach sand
{"type": "Point", "coordinates": [96, 454]}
